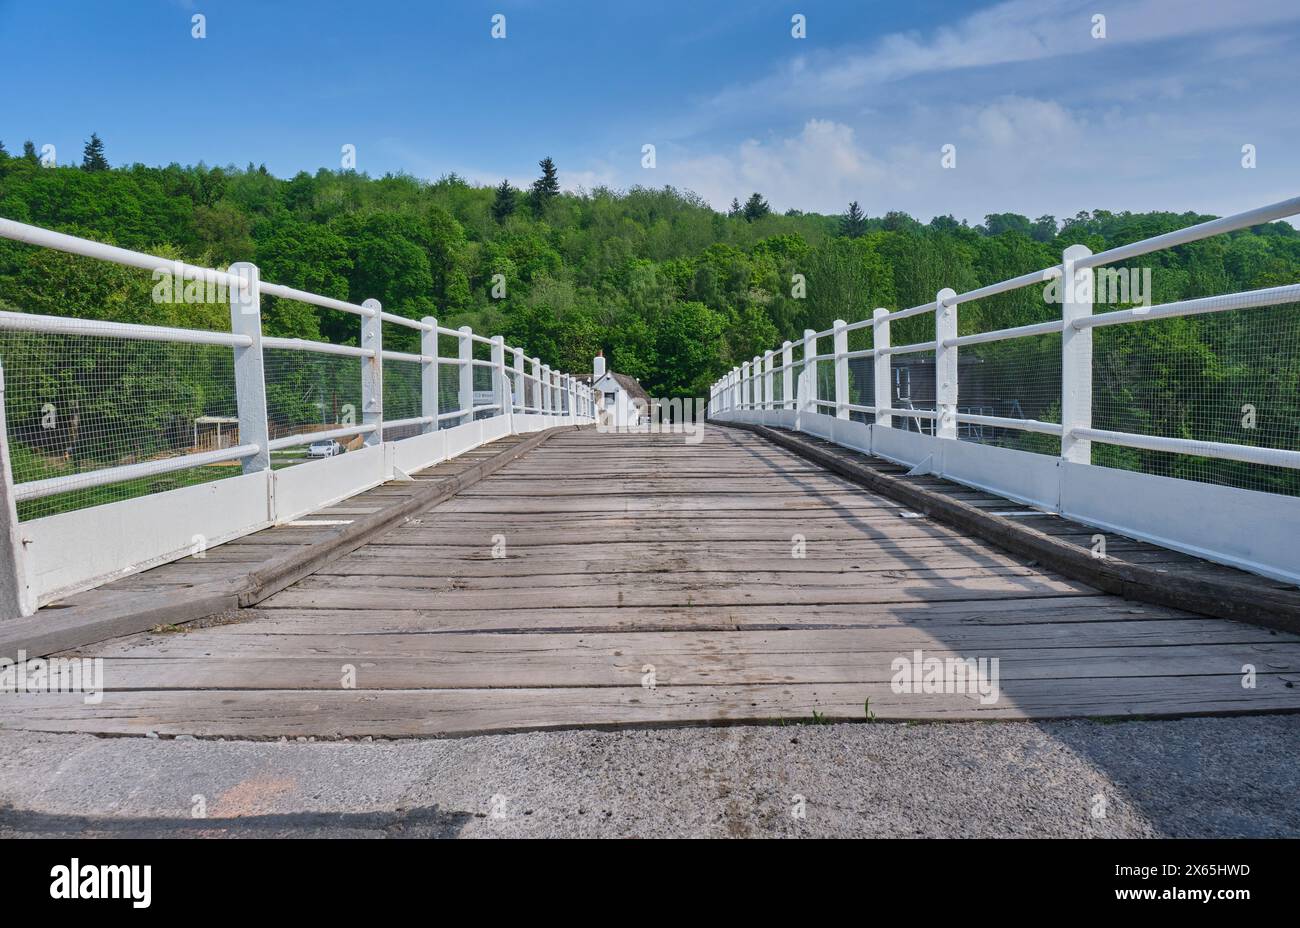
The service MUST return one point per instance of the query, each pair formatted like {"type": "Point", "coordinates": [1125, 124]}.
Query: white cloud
{"type": "Point", "coordinates": [817, 169]}
{"type": "Point", "coordinates": [1042, 123]}
{"type": "Point", "coordinates": [1010, 32]}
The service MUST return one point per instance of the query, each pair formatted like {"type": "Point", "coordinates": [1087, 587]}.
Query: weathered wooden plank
{"type": "Point", "coordinates": [423, 713]}
{"type": "Point", "coordinates": [320, 592]}
{"type": "Point", "coordinates": [496, 661]}
{"type": "Point", "coordinates": [624, 552]}
{"type": "Point", "coordinates": [977, 613]}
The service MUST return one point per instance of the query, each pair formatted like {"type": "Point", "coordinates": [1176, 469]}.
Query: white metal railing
{"type": "Point", "coordinates": [747, 391]}
{"type": "Point", "coordinates": [521, 400]}
{"type": "Point", "coordinates": [749, 385]}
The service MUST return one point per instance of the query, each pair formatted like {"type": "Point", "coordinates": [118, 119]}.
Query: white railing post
{"type": "Point", "coordinates": [546, 389]}
{"type": "Point", "coordinates": [536, 364]}
{"type": "Point", "coordinates": [15, 595]}
{"type": "Point", "coordinates": [429, 375]}
{"type": "Point", "coordinates": [500, 383]}
{"type": "Point", "coordinates": [767, 380]}
{"type": "Point", "coordinates": [808, 395]}
{"type": "Point", "coordinates": [883, 391]}
{"type": "Point", "coordinates": [250, 375]}
{"type": "Point", "coordinates": [1076, 355]}
{"type": "Point", "coordinates": [465, 346]}
{"type": "Point", "coordinates": [840, 339]}
{"type": "Point", "coordinates": [372, 373]}
{"type": "Point", "coordinates": [737, 394]}
{"type": "Point", "coordinates": [787, 356]}
{"type": "Point", "coordinates": [945, 365]}
{"type": "Point", "coordinates": [746, 386]}
{"type": "Point", "coordinates": [521, 385]}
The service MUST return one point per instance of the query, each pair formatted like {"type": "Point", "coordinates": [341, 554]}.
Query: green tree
{"type": "Point", "coordinates": [1043, 229]}
{"type": "Point", "coordinates": [853, 223]}
{"type": "Point", "coordinates": [756, 208]}
{"type": "Point", "coordinates": [29, 151]}
{"type": "Point", "coordinates": [93, 157]}
{"type": "Point", "coordinates": [547, 187]}
{"type": "Point", "coordinates": [503, 204]}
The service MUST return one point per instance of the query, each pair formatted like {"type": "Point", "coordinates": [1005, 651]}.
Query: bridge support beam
{"type": "Point", "coordinates": [250, 376]}
{"type": "Point", "coordinates": [520, 399]}
{"type": "Point", "coordinates": [840, 339]}
{"type": "Point", "coordinates": [945, 365]}
{"type": "Point", "coordinates": [808, 376]}
{"type": "Point", "coordinates": [500, 383]}
{"type": "Point", "coordinates": [429, 375]}
{"type": "Point", "coordinates": [767, 381]}
{"type": "Point", "coordinates": [787, 375]}
{"type": "Point", "coordinates": [16, 597]}
{"type": "Point", "coordinates": [372, 373]}
{"type": "Point", "coordinates": [465, 351]}
{"type": "Point", "coordinates": [883, 390]}
{"type": "Point", "coordinates": [1076, 355]}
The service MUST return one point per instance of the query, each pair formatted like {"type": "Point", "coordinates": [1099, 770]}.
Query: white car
{"type": "Point", "coordinates": [324, 449]}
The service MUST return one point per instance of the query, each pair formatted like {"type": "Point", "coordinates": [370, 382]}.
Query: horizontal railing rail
{"type": "Point", "coordinates": [498, 391]}
{"type": "Point", "coordinates": [915, 403]}
{"type": "Point", "coordinates": [749, 386]}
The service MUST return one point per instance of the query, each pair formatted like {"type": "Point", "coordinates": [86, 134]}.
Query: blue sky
{"type": "Point", "coordinates": [1045, 117]}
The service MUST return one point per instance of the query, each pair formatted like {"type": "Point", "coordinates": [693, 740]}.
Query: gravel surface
{"type": "Point", "coordinates": [1195, 777]}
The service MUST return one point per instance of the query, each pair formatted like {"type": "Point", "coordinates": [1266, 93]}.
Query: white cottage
{"type": "Point", "coordinates": [622, 397]}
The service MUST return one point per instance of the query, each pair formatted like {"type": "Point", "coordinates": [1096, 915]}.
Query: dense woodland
{"type": "Point", "coordinates": [674, 292]}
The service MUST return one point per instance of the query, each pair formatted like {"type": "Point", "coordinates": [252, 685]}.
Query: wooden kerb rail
{"type": "Point", "coordinates": [1246, 601]}
{"type": "Point", "coordinates": [55, 630]}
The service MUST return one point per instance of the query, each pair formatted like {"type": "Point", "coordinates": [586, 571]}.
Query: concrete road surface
{"type": "Point", "coordinates": [1196, 777]}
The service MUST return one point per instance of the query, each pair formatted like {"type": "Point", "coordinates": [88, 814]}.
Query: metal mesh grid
{"type": "Point", "coordinates": [309, 392]}
{"type": "Point", "coordinates": [1013, 379]}
{"type": "Point", "coordinates": [911, 382]}
{"type": "Point", "coordinates": [778, 393]}
{"type": "Point", "coordinates": [448, 392]}
{"type": "Point", "coordinates": [862, 386]}
{"type": "Point", "coordinates": [79, 403]}
{"type": "Point", "coordinates": [483, 392]}
{"type": "Point", "coordinates": [403, 390]}
{"type": "Point", "coordinates": [1225, 377]}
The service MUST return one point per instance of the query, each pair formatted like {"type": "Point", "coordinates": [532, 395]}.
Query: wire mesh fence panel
{"type": "Point", "coordinates": [77, 404]}
{"type": "Point", "coordinates": [527, 392]}
{"type": "Point", "coordinates": [1229, 377]}
{"type": "Point", "coordinates": [403, 395]}
{"type": "Point", "coordinates": [483, 394]}
{"type": "Point", "coordinates": [310, 392]}
{"type": "Point", "coordinates": [862, 387]}
{"type": "Point", "coordinates": [448, 393]}
{"type": "Point", "coordinates": [1014, 379]}
{"type": "Point", "coordinates": [911, 381]}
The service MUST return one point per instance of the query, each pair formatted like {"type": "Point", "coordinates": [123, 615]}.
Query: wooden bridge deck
{"type": "Point", "coordinates": [639, 559]}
